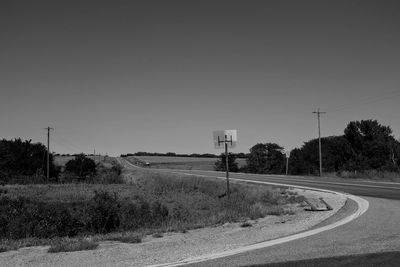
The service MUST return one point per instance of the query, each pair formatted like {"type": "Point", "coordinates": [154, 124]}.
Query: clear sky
{"type": "Point", "coordinates": [159, 76]}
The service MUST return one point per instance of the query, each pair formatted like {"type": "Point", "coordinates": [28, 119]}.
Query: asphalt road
{"type": "Point", "coordinates": [377, 230]}
{"type": "Point", "coordinates": [353, 186]}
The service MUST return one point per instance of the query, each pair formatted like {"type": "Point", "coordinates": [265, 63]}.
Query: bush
{"type": "Point", "coordinates": [103, 211]}
{"type": "Point", "coordinates": [73, 245]}
{"type": "Point", "coordinates": [82, 166]}
{"type": "Point", "coordinates": [21, 218]}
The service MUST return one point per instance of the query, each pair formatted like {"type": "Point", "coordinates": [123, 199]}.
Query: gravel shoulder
{"type": "Point", "coordinates": [179, 246]}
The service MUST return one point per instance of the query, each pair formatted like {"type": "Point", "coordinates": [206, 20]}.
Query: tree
{"type": "Point", "coordinates": [373, 145]}
{"type": "Point", "coordinates": [257, 159]}
{"type": "Point", "coordinates": [266, 158]}
{"type": "Point", "coordinates": [220, 165]}
{"type": "Point", "coordinates": [82, 166]}
{"type": "Point", "coordinates": [19, 157]}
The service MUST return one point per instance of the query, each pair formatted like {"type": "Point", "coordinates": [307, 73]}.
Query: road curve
{"type": "Point", "coordinates": [376, 231]}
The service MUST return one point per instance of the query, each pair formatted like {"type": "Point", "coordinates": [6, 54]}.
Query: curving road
{"type": "Point", "coordinates": [377, 230]}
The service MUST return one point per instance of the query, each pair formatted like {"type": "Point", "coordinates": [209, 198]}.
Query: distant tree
{"type": "Point", "coordinates": [81, 166]}
{"type": "Point", "coordinates": [257, 159]}
{"type": "Point", "coordinates": [336, 155]}
{"type": "Point", "coordinates": [297, 164]}
{"type": "Point", "coordinates": [372, 143]}
{"type": "Point", "coordinates": [220, 165]}
{"type": "Point", "coordinates": [19, 157]}
{"type": "Point", "coordinates": [266, 158]}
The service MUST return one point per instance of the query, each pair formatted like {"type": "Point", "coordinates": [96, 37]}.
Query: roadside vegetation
{"type": "Point", "coordinates": [155, 203]}
{"type": "Point", "coordinates": [366, 150]}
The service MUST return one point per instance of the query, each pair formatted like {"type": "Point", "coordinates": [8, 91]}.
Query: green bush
{"type": "Point", "coordinates": [103, 211]}
{"type": "Point", "coordinates": [82, 166]}
{"type": "Point", "coordinates": [21, 218]}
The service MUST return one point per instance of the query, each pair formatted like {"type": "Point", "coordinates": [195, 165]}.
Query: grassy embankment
{"type": "Point", "coordinates": [64, 215]}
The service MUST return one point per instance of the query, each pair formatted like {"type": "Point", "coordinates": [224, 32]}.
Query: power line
{"type": "Point", "coordinates": [369, 100]}
{"type": "Point", "coordinates": [66, 143]}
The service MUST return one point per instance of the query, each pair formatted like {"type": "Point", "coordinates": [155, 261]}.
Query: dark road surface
{"type": "Point", "coordinates": [352, 186]}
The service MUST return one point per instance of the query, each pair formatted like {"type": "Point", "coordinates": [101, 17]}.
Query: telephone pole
{"type": "Point", "coordinates": [319, 140]}
{"type": "Point", "coordinates": [287, 162]}
{"type": "Point", "coordinates": [48, 153]}
{"type": "Point", "coordinates": [227, 167]}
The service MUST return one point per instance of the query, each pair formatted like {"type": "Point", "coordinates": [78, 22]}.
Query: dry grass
{"type": "Point", "coordinates": [192, 202]}
{"type": "Point", "coordinates": [125, 237]}
{"type": "Point", "coordinates": [67, 245]}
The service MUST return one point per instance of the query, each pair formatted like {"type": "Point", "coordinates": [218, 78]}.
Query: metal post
{"type": "Point", "coordinates": [227, 167]}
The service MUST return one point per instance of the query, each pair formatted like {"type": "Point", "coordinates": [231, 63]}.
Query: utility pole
{"type": "Point", "coordinates": [228, 138]}
{"type": "Point", "coordinates": [287, 163]}
{"type": "Point", "coordinates": [48, 153]}
{"type": "Point", "coordinates": [319, 140]}
{"type": "Point", "coordinates": [227, 166]}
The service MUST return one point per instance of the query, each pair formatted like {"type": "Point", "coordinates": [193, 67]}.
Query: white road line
{"type": "Point", "coordinates": [362, 208]}
{"type": "Point", "coordinates": [309, 181]}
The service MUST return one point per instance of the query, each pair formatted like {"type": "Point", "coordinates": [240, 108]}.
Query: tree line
{"type": "Point", "coordinates": [365, 145]}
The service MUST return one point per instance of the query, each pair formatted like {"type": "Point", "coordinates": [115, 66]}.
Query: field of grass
{"type": "Point", "coordinates": [153, 204]}
{"type": "Point", "coordinates": [182, 163]}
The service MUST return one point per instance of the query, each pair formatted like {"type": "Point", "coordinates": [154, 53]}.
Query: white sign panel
{"type": "Point", "coordinates": [219, 138]}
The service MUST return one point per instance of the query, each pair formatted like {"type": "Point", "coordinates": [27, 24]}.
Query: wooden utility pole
{"type": "Point", "coordinates": [319, 140]}
{"type": "Point", "coordinates": [227, 167]}
{"type": "Point", "coordinates": [48, 153]}
{"type": "Point", "coordinates": [287, 163]}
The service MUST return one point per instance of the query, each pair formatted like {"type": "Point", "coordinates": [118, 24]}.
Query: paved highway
{"type": "Point", "coordinates": [352, 186]}
{"type": "Point", "coordinates": [377, 230]}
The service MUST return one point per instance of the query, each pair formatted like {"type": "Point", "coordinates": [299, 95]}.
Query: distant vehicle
{"type": "Point", "coordinates": [147, 164]}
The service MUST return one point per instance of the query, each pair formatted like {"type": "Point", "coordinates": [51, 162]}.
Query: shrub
{"type": "Point", "coordinates": [246, 224]}
{"type": "Point", "coordinates": [73, 245]}
{"type": "Point", "coordinates": [20, 218]}
{"type": "Point", "coordinates": [103, 212]}
{"type": "Point", "coordinates": [159, 213]}
{"type": "Point", "coordinates": [82, 166]}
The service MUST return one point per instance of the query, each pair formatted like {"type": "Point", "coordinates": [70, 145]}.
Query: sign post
{"type": "Point", "coordinates": [229, 139]}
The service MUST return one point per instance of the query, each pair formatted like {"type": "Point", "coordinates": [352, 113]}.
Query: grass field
{"type": "Point", "coordinates": [154, 203]}
{"type": "Point", "coordinates": [182, 163]}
